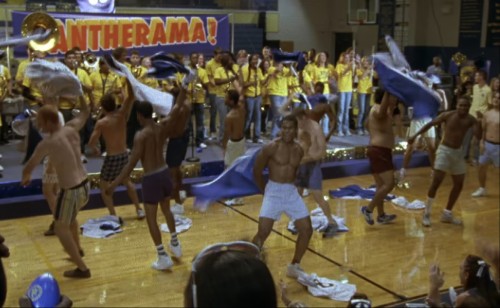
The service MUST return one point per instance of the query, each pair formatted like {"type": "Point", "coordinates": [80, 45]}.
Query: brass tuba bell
{"type": "Point", "coordinates": [39, 31]}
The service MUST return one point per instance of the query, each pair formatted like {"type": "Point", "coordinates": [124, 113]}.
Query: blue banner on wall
{"type": "Point", "coordinates": [493, 28]}
{"type": "Point", "coordinates": [148, 34]}
{"type": "Point", "coordinates": [471, 23]}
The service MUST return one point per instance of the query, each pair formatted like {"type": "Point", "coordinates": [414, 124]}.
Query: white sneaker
{"type": "Point", "coordinates": [202, 145]}
{"type": "Point", "coordinates": [294, 270]}
{"type": "Point", "coordinates": [305, 192]}
{"type": "Point", "coordinates": [176, 250]}
{"type": "Point", "coordinates": [426, 220]}
{"type": "Point", "coordinates": [140, 214]}
{"type": "Point", "coordinates": [177, 209]}
{"type": "Point", "coordinates": [347, 133]}
{"type": "Point", "coordinates": [162, 263]}
{"type": "Point", "coordinates": [340, 134]}
{"type": "Point", "coordinates": [402, 173]}
{"type": "Point", "coordinates": [83, 158]}
{"type": "Point", "coordinates": [260, 141]}
{"type": "Point", "coordinates": [239, 201]}
{"type": "Point", "coordinates": [449, 219]}
{"type": "Point", "coordinates": [104, 154]}
{"type": "Point", "coordinates": [480, 192]}
{"type": "Point", "coordinates": [366, 132]}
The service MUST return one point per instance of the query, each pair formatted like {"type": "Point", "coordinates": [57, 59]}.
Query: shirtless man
{"type": "Point", "coordinates": [449, 156]}
{"type": "Point", "coordinates": [283, 156]}
{"type": "Point", "coordinates": [233, 141]}
{"type": "Point", "coordinates": [113, 128]}
{"type": "Point", "coordinates": [309, 176]}
{"type": "Point", "coordinates": [156, 184]}
{"type": "Point", "coordinates": [489, 145]}
{"type": "Point", "coordinates": [379, 153]}
{"type": "Point", "coordinates": [62, 146]}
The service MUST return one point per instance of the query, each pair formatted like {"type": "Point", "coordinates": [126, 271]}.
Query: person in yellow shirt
{"type": "Point", "coordinates": [149, 81]}
{"type": "Point", "coordinates": [5, 90]}
{"type": "Point", "coordinates": [22, 67]}
{"type": "Point", "coordinates": [224, 77]}
{"type": "Point", "coordinates": [196, 93]}
{"type": "Point", "coordinates": [139, 71]}
{"type": "Point", "coordinates": [365, 83]}
{"type": "Point", "coordinates": [322, 72]}
{"type": "Point", "coordinates": [480, 93]}
{"type": "Point", "coordinates": [251, 78]}
{"type": "Point", "coordinates": [278, 93]}
{"type": "Point", "coordinates": [103, 82]}
{"type": "Point", "coordinates": [211, 67]}
{"type": "Point", "coordinates": [264, 67]}
{"type": "Point", "coordinates": [344, 72]}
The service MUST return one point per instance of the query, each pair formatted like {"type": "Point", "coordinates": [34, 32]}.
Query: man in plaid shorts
{"type": "Point", "coordinates": [112, 127]}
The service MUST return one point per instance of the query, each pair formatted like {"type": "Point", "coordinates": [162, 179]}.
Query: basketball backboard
{"type": "Point", "coordinates": [362, 12]}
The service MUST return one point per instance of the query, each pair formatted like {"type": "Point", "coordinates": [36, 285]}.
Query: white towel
{"type": "Point", "coordinates": [414, 205]}
{"type": "Point", "coordinates": [320, 222]}
{"type": "Point", "coordinates": [182, 224]}
{"type": "Point", "coordinates": [101, 227]}
{"type": "Point", "coordinates": [324, 287]}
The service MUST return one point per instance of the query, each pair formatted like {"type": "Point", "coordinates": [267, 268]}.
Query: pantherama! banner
{"type": "Point", "coordinates": [148, 34]}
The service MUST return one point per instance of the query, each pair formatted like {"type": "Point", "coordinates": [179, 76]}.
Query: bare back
{"type": "Point", "coordinates": [380, 127]}
{"type": "Point", "coordinates": [152, 140]}
{"type": "Point", "coordinates": [491, 125]}
{"type": "Point", "coordinates": [235, 123]}
{"type": "Point", "coordinates": [63, 149]}
{"type": "Point", "coordinates": [114, 128]}
{"type": "Point", "coordinates": [315, 147]}
{"type": "Point", "coordinates": [455, 128]}
{"type": "Point", "coordinates": [283, 161]}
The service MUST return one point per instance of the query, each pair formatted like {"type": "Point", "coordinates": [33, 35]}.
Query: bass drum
{"type": "Point", "coordinates": [21, 123]}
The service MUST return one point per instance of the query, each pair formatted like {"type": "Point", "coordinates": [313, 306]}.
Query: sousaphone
{"type": "Point", "coordinates": [39, 30]}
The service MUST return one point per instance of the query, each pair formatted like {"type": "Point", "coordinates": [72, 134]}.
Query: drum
{"type": "Point", "coordinates": [13, 105]}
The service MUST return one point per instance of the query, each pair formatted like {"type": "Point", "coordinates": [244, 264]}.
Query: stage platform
{"type": "Point", "coordinates": [345, 158]}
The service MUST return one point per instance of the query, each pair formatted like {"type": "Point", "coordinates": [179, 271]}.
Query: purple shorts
{"type": "Point", "coordinates": [156, 186]}
{"type": "Point", "coordinates": [310, 176]}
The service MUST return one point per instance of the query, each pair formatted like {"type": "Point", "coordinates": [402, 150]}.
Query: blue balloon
{"type": "Point", "coordinates": [44, 291]}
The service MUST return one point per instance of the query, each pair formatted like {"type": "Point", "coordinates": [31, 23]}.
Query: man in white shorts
{"type": "Point", "coordinates": [429, 137]}
{"type": "Point", "coordinates": [283, 156]}
{"type": "Point", "coordinates": [489, 144]}
{"type": "Point", "coordinates": [449, 156]}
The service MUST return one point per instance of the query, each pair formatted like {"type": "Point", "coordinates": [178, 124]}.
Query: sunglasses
{"type": "Point", "coordinates": [242, 246]}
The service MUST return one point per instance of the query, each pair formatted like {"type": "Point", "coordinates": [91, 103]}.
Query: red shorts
{"type": "Point", "coordinates": [380, 159]}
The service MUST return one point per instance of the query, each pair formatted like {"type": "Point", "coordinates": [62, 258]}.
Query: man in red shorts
{"type": "Point", "coordinates": [379, 153]}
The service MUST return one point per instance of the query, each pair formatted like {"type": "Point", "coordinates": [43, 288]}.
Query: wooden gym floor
{"type": "Point", "coordinates": [383, 261]}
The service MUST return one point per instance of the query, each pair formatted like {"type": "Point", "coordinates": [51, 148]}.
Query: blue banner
{"type": "Point", "coordinates": [148, 34]}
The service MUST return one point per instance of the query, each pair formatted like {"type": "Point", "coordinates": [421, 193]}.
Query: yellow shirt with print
{"type": "Point", "coordinates": [70, 103]}
{"type": "Point", "coordinates": [344, 82]}
{"type": "Point", "coordinates": [34, 90]}
{"type": "Point", "coordinates": [199, 93]}
{"type": "Point", "coordinates": [221, 73]}
{"type": "Point", "coordinates": [278, 84]}
{"type": "Point", "coordinates": [103, 84]}
{"type": "Point", "coordinates": [322, 74]}
{"type": "Point", "coordinates": [365, 83]}
{"type": "Point", "coordinates": [255, 77]}
{"type": "Point", "coordinates": [211, 67]}
{"type": "Point", "coordinates": [21, 69]}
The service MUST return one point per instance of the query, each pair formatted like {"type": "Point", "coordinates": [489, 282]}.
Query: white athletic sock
{"type": "Point", "coordinates": [161, 250]}
{"type": "Point", "coordinates": [447, 212]}
{"type": "Point", "coordinates": [428, 205]}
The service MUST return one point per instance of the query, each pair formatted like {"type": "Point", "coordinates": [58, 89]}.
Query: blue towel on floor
{"type": "Point", "coordinates": [353, 191]}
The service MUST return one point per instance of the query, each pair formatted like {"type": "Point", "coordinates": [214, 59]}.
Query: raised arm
{"type": "Point", "coordinates": [175, 122]}
{"type": "Point", "coordinates": [286, 108]}
{"type": "Point", "coordinates": [129, 101]}
{"type": "Point", "coordinates": [387, 100]}
{"type": "Point", "coordinates": [79, 121]}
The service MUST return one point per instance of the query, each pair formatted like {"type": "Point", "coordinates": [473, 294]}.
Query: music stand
{"type": "Point", "coordinates": [192, 159]}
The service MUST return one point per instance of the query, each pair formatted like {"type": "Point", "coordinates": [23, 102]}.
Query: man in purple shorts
{"type": "Point", "coordinates": [156, 184]}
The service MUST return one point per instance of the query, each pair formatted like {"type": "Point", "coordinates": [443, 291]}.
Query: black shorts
{"type": "Point", "coordinates": [176, 150]}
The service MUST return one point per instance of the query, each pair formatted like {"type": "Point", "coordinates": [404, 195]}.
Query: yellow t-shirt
{"type": "Point", "coordinates": [252, 76]}
{"type": "Point", "coordinates": [139, 72]}
{"type": "Point", "coordinates": [220, 74]}
{"type": "Point", "coordinates": [5, 77]}
{"type": "Point", "coordinates": [479, 99]}
{"type": "Point", "coordinates": [365, 84]}
{"type": "Point", "coordinates": [294, 87]}
{"type": "Point", "coordinates": [322, 74]}
{"type": "Point", "coordinates": [103, 84]}
{"type": "Point", "coordinates": [211, 67]}
{"type": "Point", "coordinates": [199, 94]}
{"type": "Point", "coordinates": [34, 90]}
{"type": "Point", "coordinates": [344, 82]}
{"type": "Point", "coordinates": [70, 103]}
{"type": "Point", "coordinates": [21, 69]}
{"type": "Point", "coordinates": [278, 85]}
{"type": "Point", "coordinates": [150, 82]}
